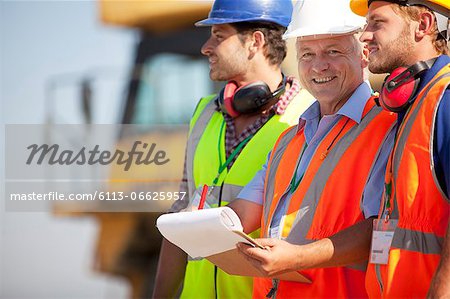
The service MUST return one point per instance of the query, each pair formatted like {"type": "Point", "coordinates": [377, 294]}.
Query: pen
{"type": "Point", "coordinates": [203, 197]}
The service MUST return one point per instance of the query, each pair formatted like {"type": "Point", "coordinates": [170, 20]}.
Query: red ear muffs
{"type": "Point", "coordinates": [248, 98]}
{"type": "Point", "coordinates": [399, 88]}
{"type": "Point", "coordinates": [227, 96]}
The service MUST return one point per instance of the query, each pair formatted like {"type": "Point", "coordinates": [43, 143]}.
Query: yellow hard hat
{"type": "Point", "coordinates": [441, 10]}
{"type": "Point", "coordinates": [360, 7]}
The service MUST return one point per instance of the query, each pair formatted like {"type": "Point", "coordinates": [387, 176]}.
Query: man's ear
{"type": "Point", "coordinates": [425, 25]}
{"type": "Point", "coordinates": [258, 40]}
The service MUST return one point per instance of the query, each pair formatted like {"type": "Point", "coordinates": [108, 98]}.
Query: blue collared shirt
{"type": "Point", "coordinates": [315, 129]}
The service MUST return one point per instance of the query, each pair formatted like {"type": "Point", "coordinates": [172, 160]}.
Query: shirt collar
{"type": "Point", "coordinates": [352, 109]}
{"type": "Point", "coordinates": [442, 61]}
{"type": "Point", "coordinates": [426, 77]}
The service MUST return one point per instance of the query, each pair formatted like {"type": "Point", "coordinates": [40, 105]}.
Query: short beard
{"type": "Point", "coordinates": [229, 69]}
{"type": "Point", "coordinates": [216, 76]}
{"type": "Point", "coordinates": [394, 55]}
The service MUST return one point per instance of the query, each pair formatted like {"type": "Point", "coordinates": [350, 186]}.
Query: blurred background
{"type": "Point", "coordinates": [95, 62]}
{"type": "Point", "coordinates": [99, 62]}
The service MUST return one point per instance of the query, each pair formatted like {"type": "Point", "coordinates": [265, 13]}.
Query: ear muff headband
{"type": "Point", "coordinates": [399, 88]}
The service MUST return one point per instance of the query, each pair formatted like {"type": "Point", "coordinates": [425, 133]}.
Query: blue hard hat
{"type": "Point", "coordinates": [232, 11]}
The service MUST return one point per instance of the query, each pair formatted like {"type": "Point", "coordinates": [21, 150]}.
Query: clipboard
{"type": "Point", "coordinates": [234, 263]}
{"type": "Point", "coordinates": [203, 233]}
{"type": "Point", "coordinates": [250, 240]}
{"type": "Point", "coordinates": [213, 234]}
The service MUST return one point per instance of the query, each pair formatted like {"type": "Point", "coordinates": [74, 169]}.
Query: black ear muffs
{"type": "Point", "coordinates": [247, 98]}
{"type": "Point", "coordinates": [399, 88]}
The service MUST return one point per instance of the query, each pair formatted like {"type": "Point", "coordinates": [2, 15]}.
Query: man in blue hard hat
{"type": "Point", "coordinates": [232, 133]}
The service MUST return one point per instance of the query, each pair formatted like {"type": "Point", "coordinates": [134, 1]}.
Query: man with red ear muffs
{"type": "Point", "coordinates": [231, 133]}
{"type": "Point", "coordinates": [409, 40]}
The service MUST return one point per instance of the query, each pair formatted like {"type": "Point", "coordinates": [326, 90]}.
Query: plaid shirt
{"type": "Point", "coordinates": [232, 141]}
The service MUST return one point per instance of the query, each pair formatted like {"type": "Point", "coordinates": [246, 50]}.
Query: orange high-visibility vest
{"type": "Point", "coordinates": [417, 201]}
{"type": "Point", "coordinates": [328, 199]}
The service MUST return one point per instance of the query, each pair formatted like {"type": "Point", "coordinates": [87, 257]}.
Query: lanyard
{"type": "Point", "coordinates": [293, 185]}
{"type": "Point", "coordinates": [388, 190]}
{"type": "Point", "coordinates": [232, 155]}
{"type": "Point", "coordinates": [388, 183]}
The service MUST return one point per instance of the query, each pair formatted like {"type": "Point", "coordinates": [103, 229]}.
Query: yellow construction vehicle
{"type": "Point", "coordinates": [168, 76]}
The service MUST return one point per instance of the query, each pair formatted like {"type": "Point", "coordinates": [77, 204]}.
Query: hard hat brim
{"type": "Point", "coordinates": [325, 32]}
{"type": "Point", "coordinates": [214, 21]}
{"type": "Point", "coordinates": [359, 7]}
{"type": "Point", "coordinates": [219, 21]}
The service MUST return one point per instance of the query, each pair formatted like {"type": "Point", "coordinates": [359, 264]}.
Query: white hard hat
{"type": "Point", "coordinates": [320, 17]}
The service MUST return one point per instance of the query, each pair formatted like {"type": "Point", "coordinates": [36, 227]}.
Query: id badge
{"type": "Point", "coordinates": [382, 235]}
{"type": "Point", "coordinates": [274, 232]}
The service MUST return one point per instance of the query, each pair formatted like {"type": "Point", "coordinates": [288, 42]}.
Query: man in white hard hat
{"type": "Point", "coordinates": [324, 178]}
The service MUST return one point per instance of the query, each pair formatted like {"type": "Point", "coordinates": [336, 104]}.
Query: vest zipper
{"type": "Point", "coordinates": [286, 191]}
{"type": "Point", "coordinates": [215, 281]}
{"type": "Point", "coordinates": [378, 266]}
{"type": "Point", "coordinates": [378, 274]}
{"type": "Point", "coordinates": [273, 291]}
{"type": "Point", "coordinates": [219, 204]}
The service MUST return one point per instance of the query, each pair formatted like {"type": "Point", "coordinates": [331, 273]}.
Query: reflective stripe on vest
{"type": "Point", "coordinates": [417, 241]}
{"type": "Point", "coordinates": [194, 138]}
{"type": "Point", "coordinates": [249, 161]}
{"type": "Point", "coordinates": [328, 198]}
{"type": "Point", "coordinates": [419, 204]}
{"type": "Point", "coordinates": [202, 279]}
